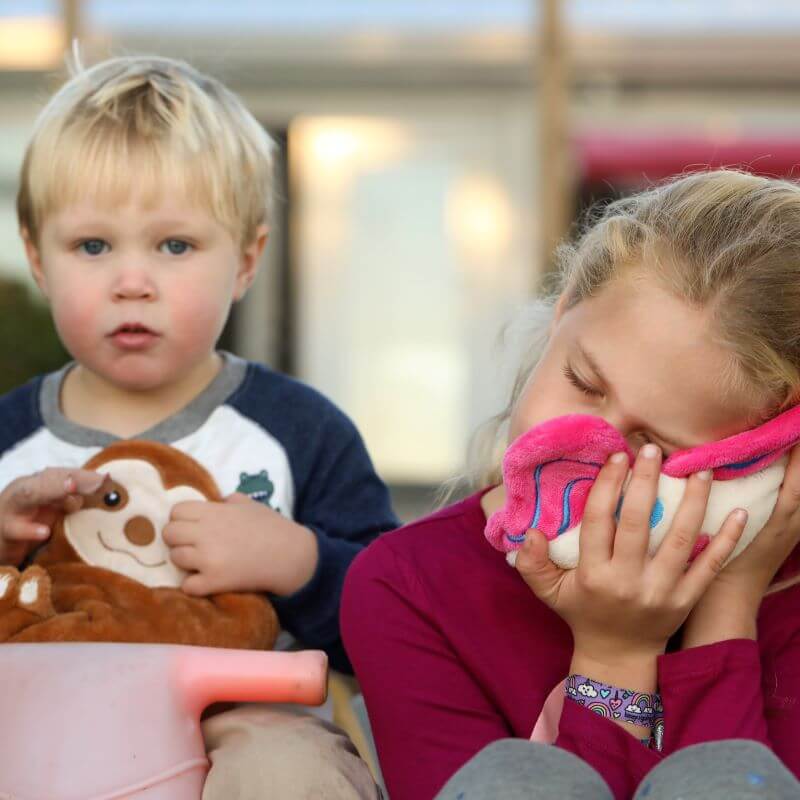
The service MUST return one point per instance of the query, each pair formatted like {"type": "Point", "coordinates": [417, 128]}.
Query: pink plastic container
{"type": "Point", "coordinates": [108, 721]}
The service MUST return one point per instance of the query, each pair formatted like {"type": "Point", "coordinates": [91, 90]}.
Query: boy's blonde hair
{"type": "Point", "coordinates": [156, 124]}
{"type": "Point", "coordinates": [723, 240]}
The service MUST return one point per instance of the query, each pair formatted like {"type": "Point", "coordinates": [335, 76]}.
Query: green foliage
{"type": "Point", "coordinates": [29, 344]}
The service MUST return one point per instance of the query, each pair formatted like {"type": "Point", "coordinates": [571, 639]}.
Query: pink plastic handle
{"type": "Point", "coordinates": [208, 674]}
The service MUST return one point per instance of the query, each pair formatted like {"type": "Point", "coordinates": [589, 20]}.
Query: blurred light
{"type": "Point", "coordinates": [479, 217]}
{"type": "Point", "coordinates": [331, 144]}
{"type": "Point", "coordinates": [339, 146]}
{"type": "Point", "coordinates": [30, 43]}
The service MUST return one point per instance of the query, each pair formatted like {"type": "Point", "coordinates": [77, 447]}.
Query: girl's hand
{"type": "Point", "coordinates": [31, 504]}
{"type": "Point", "coordinates": [728, 608]}
{"type": "Point", "coordinates": [620, 601]}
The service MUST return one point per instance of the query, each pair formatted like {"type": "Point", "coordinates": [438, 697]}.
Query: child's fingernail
{"type": "Point", "coordinates": [69, 485]}
{"type": "Point", "coordinates": [705, 475]}
{"type": "Point", "coordinates": [618, 458]}
{"type": "Point", "coordinates": [42, 531]}
{"type": "Point", "coordinates": [740, 515]}
{"type": "Point", "coordinates": [649, 451]}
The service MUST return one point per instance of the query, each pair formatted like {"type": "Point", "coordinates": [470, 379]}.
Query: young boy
{"type": "Point", "coordinates": [143, 206]}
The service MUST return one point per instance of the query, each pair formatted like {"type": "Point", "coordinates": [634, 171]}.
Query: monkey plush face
{"type": "Point", "coordinates": [105, 574]}
{"type": "Point", "coordinates": [119, 527]}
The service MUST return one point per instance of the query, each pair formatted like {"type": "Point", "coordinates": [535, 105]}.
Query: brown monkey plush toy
{"type": "Point", "coordinates": [106, 576]}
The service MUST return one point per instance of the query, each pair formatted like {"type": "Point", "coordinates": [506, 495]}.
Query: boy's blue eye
{"type": "Point", "coordinates": [93, 247]}
{"type": "Point", "coordinates": [175, 247]}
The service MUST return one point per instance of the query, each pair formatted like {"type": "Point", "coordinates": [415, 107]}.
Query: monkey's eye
{"type": "Point", "coordinates": [112, 499]}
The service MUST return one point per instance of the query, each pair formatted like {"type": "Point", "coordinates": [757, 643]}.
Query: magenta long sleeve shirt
{"type": "Point", "coordinates": [453, 651]}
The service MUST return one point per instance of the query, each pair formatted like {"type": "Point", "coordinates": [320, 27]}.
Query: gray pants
{"type": "Point", "coordinates": [516, 769]}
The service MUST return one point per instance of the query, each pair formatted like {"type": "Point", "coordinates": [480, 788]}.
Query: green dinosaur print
{"type": "Point", "coordinates": [258, 486]}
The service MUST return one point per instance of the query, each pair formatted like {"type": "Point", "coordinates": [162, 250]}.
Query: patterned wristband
{"type": "Point", "coordinates": [639, 708]}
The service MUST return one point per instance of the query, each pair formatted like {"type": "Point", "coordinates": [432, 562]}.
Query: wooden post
{"type": "Point", "coordinates": [552, 107]}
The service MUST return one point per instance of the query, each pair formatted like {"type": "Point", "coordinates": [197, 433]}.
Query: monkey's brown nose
{"type": "Point", "coordinates": [140, 531]}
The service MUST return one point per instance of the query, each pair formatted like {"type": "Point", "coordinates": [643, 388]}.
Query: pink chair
{"type": "Point", "coordinates": [110, 721]}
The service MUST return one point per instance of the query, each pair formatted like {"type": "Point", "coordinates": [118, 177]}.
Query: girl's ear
{"type": "Point", "coordinates": [249, 261]}
{"type": "Point", "coordinates": [34, 260]}
{"type": "Point", "coordinates": [560, 308]}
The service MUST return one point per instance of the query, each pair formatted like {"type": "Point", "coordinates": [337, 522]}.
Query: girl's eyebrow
{"type": "Point", "coordinates": [600, 375]}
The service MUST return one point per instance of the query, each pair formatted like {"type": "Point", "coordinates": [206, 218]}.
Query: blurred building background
{"type": "Point", "coordinates": [431, 152]}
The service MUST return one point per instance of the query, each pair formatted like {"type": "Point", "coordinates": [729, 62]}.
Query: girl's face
{"type": "Point", "coordinates": [646, 362]}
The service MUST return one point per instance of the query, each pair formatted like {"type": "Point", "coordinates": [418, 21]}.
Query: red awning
{"type": "Point", "coordinates": [634, 159]}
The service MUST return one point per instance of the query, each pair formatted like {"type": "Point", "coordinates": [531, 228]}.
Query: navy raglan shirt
{"type": "Point", "coordinates": [257, 432]}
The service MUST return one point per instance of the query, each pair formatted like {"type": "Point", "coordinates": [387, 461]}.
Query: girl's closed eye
{"type": "Point", "coordinates": [175, 247]}
{"type": "Point", "coordinates": [579, 383]}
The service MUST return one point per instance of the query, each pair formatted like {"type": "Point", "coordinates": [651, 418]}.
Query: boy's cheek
{"type": "Point", "coordinates": [193, 323]}
{"type": "Point", "coordinates": [76, 324]}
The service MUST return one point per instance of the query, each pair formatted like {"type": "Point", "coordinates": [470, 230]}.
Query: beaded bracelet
{"type": "Point", "coordinates": [639, 708]}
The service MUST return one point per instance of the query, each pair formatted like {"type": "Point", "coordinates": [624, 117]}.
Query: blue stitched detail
{"type": "Point", "coordinates": [656, 515]}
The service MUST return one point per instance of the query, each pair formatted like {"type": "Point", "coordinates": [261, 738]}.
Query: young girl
{"type": "Point", "coordinates": [678, 321]}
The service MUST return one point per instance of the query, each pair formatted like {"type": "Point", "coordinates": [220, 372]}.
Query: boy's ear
{"type": "Point", "coordinates": [34, 260]}
{"type": "Point", "coordinates": [249, 261]}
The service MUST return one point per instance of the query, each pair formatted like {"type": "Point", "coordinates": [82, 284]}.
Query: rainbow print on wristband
{"type": "Point", "coordinates": [611, 702]}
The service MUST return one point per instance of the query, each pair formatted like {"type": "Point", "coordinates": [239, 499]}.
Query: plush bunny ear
{"type": "Point", "coordinates": [548, 472]}
{"type": "Point", "coordinates": [739, 455]}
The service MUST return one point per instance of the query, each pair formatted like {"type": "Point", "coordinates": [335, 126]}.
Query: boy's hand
{"type": "Point", "coordinates": [239, 545]}
{"type": "Point", "coordinates": [31, 504]}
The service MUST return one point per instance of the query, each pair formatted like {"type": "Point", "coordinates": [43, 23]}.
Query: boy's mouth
{"type": "Point", "coordinates": [133, 336]}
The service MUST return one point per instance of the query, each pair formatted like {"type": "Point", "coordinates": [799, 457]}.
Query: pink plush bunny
{"type": "Point", "coordinates": [549, 470]}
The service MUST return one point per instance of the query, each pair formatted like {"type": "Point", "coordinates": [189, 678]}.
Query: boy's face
{"type": "Point", "coordinates": [140, 294]}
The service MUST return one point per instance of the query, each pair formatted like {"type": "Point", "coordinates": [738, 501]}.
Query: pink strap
{"type": "Point", "coordinates": [546, 728]}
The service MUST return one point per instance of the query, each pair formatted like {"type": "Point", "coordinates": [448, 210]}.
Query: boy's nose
{"type": "Point", "coordinates": [133, 285]}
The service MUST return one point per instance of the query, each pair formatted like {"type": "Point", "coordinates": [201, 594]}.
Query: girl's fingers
{"type": "Point", "coordinates": [710, 562]}
{"type": "Point", "coordinates": [789, 495]}
{"type": "Point", "coordinates": [633, 529]}
{"type": "Point", "coordinates": [534, 565]}
{"type": "Point", "coordinates": [674, 551]}
{"type": "Point", "coordinates": [598, 522]}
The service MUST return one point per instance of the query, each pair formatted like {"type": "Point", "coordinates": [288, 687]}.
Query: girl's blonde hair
{"type": "Point", "coordinates": [723, 240]}
{"type": "Point", "coordinates": [156, 124]}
